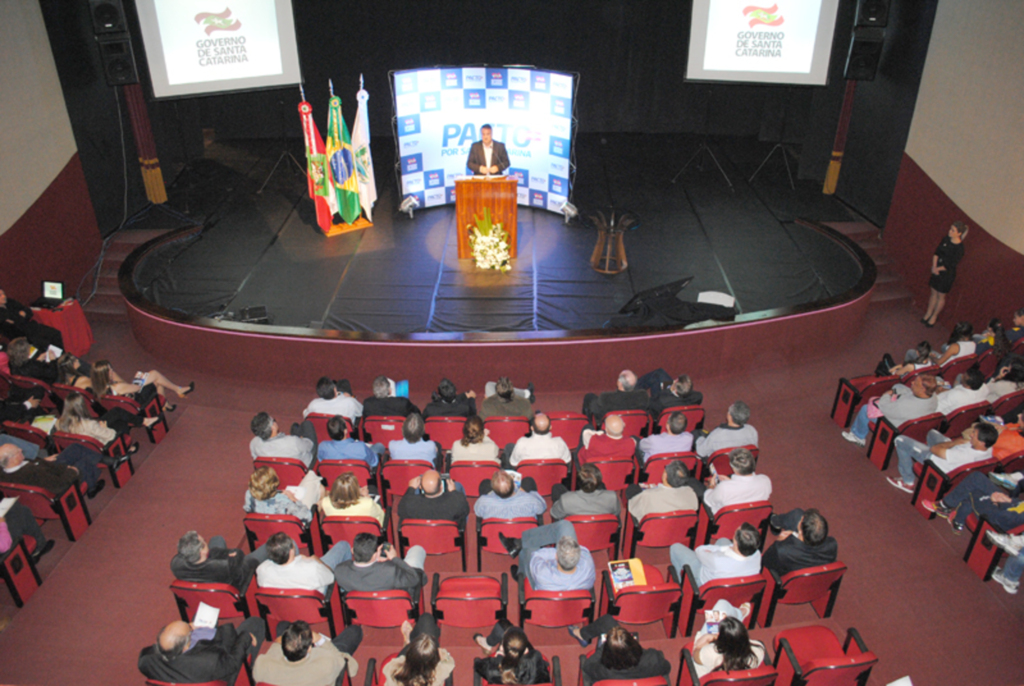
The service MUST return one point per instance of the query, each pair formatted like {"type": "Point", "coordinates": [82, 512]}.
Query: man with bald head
{"type": "Point", "coordinates": [610, 443]}
{"type": "Point", "coordinates": [540, 444]}
{"type": "Point", "coordinates": [624, 397]}
{"type": "Point", "coordinates": [501, 498]}
{"type": "Point", "coordinates": [431, 497]}
{"type": "Point", "coordinates": [56, 473]}
{"type": "Point", "coordinates": [186, 654]}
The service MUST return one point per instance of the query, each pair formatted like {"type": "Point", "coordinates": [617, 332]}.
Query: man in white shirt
{"type": "Point", "coordinates": [540, 444]}
{"type": "Point", "coordinates": [946, 454]}
{"type": "Point", "coordinates": [676, 439]}
{"type": "Point", "coordinates": [969, 391]}
{"type": "Point", "coordinates": [744, 486]}
{"type": "Point", "coordinates": [285, 568]}
{"type": "Point", "coordinates": [724, 559]}
{"type": "Point", "coordinates": [334, 398]}
{"type": "Point", "coordinates": [487, 156]}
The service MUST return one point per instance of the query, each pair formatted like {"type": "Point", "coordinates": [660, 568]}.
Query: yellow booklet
{"type": "Point", "coordinates": [627, 573]}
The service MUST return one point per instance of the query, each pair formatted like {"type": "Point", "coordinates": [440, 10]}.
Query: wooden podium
{"type": "Point", "coordinates": [496, 193]}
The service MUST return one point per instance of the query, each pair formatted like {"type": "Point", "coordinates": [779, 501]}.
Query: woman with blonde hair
{"type": "Point", "coordinates": [143, 388]}
{"type": "Point", "coordinates": [348, 499]}
{"type": "Point", "coordinates": [475, 444]}
{"type": "Point", "coordinates": [264, 496]}
{"type": "Point", "coordinates": [77, 419]}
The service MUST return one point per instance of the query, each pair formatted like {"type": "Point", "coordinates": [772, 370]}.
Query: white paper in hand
{"type": "Point", "coordinates": [206, 617]}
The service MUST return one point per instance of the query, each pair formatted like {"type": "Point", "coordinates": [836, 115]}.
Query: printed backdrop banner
{"type": "Point", "coordinates": [439, 113]}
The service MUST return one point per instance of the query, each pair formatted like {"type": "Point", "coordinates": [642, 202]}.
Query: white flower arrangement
{"type": "Point", "coordinates": [489, 243]}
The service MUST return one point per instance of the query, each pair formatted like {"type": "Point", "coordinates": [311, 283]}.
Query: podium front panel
{"type": "Point", "coordinates": [499, 194]}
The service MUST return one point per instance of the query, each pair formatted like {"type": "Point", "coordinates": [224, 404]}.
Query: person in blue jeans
{"type": "Point", "coordinates": [1009, 576]}
{"type": "Point", "coordinates": [947, 454]}
{"type": "Point", "coordinates": [899, 405]}
{"type": "Point", "coordinates": [976, 494]}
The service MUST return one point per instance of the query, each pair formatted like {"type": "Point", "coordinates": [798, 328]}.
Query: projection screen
{"type": "Point", "coordinates": [195, 47]}
{"type": "Point", "coordinates": [439, 113]}
{"type": "Point", "coordinates": [780, 41]}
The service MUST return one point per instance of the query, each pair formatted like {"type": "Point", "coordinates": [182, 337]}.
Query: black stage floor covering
{"type": "Point", "coordinates": [403, 276]}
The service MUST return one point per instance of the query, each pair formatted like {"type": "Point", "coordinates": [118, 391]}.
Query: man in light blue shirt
{"type": "Point", "coordinates": [676, 439]}
{"type": "Point", "coordinates": [506, 501]}
{"type": "Point", "coordinates": [412, 446]}
{"type": "Point", "coordinates": [566, 567]}
{"type": "Point", "coordinates": [342, 447]}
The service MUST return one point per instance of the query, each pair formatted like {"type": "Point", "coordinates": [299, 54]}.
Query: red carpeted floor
{"type": "Point", "coordinates": [907, 591]}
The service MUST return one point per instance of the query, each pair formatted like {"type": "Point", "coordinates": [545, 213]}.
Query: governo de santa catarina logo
{"type": "Point", "coordinates": [763, 16]}
{"type": "Point", "coordinates": [221, 21]}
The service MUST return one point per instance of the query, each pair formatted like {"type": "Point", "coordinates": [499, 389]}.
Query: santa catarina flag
{"type": "Point", "coordinates": [341, 160]}
{"type": "Point", "coordinates": [364, 163]}
{"type": "Point", "coordinates": [317, 171]}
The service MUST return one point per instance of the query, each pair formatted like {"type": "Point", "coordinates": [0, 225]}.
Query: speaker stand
{"type": "Point", "coordinates": [785, 158]}
{"type": "Point", "coordinates": [704, 148]}
{"type": "Point", "coordinates": [280, 159]}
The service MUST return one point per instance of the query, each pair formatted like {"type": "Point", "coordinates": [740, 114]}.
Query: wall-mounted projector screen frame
{"type": "Point", "coordinates": [773, 41]}
{"type": "Point", "coordinates": [192, 50]}
{"type": "Point", "coordinates": [439, 112]}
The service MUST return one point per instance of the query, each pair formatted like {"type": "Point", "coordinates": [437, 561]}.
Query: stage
{"type": "Point", "coordinates": [403, 276]}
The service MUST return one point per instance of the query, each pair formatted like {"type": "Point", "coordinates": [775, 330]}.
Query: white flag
{"type": "Point", "coordinates": [361, 148]}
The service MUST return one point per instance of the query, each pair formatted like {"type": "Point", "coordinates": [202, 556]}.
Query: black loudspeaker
{"type": "Point", "coordinates": [117, 59]}
{"type": "Point", "coordinates": [865, 53]}
{"type": "Point", "coordinates": [872, 13]}
{"type": "Point", "coordinates": [107, 17]}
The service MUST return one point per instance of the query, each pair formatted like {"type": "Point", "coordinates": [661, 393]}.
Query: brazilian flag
{"type": "Point", "coordinates": [342, 162]}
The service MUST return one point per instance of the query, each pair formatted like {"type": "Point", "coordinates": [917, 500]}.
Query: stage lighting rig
{"type": "Point", "coordinates": [408, 205]}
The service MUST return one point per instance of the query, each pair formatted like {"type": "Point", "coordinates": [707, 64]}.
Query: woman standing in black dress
{"type": "Point", "coordinates": [944, 262]}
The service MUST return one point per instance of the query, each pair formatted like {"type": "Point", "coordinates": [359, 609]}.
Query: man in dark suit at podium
{"type": "Point", "coordinates": [487, 156]}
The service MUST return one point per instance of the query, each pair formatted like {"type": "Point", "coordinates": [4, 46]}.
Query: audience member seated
{"type": "Point", "coordinates": [17, 321]}
{"type": "Point", "coordinates": [73, 373]}
{"type": "Point", "coordinates": [566, 567]}
{"type": "Point", "coordinates": [431, 497]}
{"type": "Point", "coordinates": [342, 446]}
{"type": "Point", "coordinates": [491, 387]}
{"type": "Point", "coordinates": [334, 398]}
{"type": "Point", "coordinates": [730, 650]}
{"type": "Point", "coordinates": [1007, 379]}
{"type": "Point", "coordinates": [901, 404]}
{"type": "Point", "coordinates": [268, 440]}
{"type": "Point", "coordinates": [916, 358]}
{"type": "Point", "coordinates": [970, 390]}
{"type": "Point", "coordinates": [29, 449]}
{"type": "Point", "coordinates": [626, 396]}
{"type": "Point", "coordinates": [1009, 576]}
{"type": "Point", "coordinates": [945, 454]}
{"type": "Point", "coordinates": [378, 568]}
{"type": "Point", "coordinates": [214, 562]}
{"type": "Point", "coordinates": [421, 661]}
{"type": "Point", "coordinates": [21, 405]}
{"type": "Point", "coordinates": [610, 443]}
{"type": "Point", "coordinates": [475, 445]}
{"type": "Point", "coordinates": [76, 419]}
{"type": "Point", "coordinates": [591, 498]}
{"type": "Point", "coordinates": [803, 542]}
{"type": "Point", "coordinates": [675, 439]}
{"type": "Point", "coordinates": [723, 559]}
{"type": "Point", "coordinates": [264, 497]}
{"type": "Point", "coordinates": [500, 498]}
{"type": "Point", "coordinates": [383, 404]}
{"type": "Point", "coordinates": [303, 657]}
{"type": "Point", "coordinates": [675, 493]}
{"type": "Point", "coordinates": [143, 388]}
{"type": "Point", "coordinates": [620, 656]}
{"type": "Point", "coordinates": [184, 654]}
{"type": "Point", "coordinates": [959, 344]}
{"type": "Point", "coordinates": [977, 494]}
{"type": "Point", "coordinates": [744, 486]}
{"type": "Point", "coordinates": [348, 499]}
{"type": "Point", "coordinates": [56, 473]}
{"type": "Point", "coordinates": [43, 366]}
{"type": "Point", "coordinates": [447, 402]}
{"type": "Point", "coordinates": [1016, 332]}
{"type": "Point", "coordinates": [505, 402]}
{"type": "Point", "coordinates": [540, 444]}
{"type": "Point", "coordinates": [736, 432]}
{"type": "Point", "coordinates": [515, 662]}
{"type": "Point", "coordinates": [413, 445]}
{"type": "Point", "coordinates": [679, 393]}
{"type": "Point", "coordinates": [285, 568]}
{"type": "Point", "coordinates": [19, 522]}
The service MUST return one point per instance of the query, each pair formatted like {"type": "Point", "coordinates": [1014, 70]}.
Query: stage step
{"type": "Point", "coordinates": [108, 303]}
{"type": "Point", "coordinates": [856, 231]}
{"type": "Point", "coordinates": [889, 289]}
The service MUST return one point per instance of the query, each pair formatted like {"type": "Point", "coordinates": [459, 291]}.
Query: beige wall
{"type": "Point", "coordinates": [968, 128]}
{"type": "Point", "coordinates": [35, 134]}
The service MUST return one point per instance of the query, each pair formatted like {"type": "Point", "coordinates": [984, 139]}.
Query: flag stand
{"type": "Point", "coordinates": [338, 229]}
{"type": "Point", "coordinates": [276, 164]}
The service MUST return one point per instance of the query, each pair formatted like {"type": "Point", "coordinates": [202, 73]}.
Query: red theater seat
{"type": "Point", "coordinates": [812, 656]}
{"type": "Point", "coordinates": [469, 601]}
{"type": "Point", "coordinates": [818, 586]}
